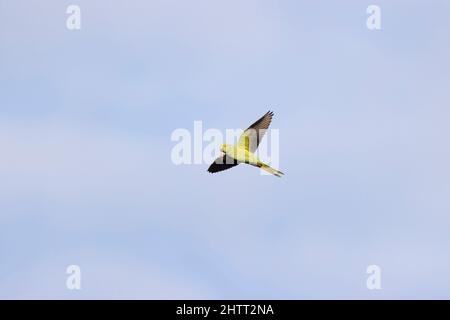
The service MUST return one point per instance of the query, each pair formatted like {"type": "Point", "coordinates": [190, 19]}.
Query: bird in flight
{"type": "Point", "coordinates": [243, 151]}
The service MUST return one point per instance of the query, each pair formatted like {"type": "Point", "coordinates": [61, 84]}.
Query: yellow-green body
{"type": "Point", "coordinates": [241, 154]}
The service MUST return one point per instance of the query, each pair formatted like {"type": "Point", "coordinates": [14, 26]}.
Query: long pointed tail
{"type": "Point", "coordinates": [271, 170]}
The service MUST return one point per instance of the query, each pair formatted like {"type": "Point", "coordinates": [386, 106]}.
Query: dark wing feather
{"type": "Point", "coordinates": [263, 122]}
{"type": "Point", "coordinates": [222, 163]}
{"type": "Point", "coordinates": [253, 135]}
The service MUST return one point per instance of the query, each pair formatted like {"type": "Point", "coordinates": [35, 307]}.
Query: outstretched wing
{"type": "Point", "coordinates": [251, 137]}
{"type": "Point", "coordinates": [222, 163]}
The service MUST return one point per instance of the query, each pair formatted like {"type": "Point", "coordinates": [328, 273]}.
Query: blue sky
{"type": "Point", "coordinates": [86, 176]}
